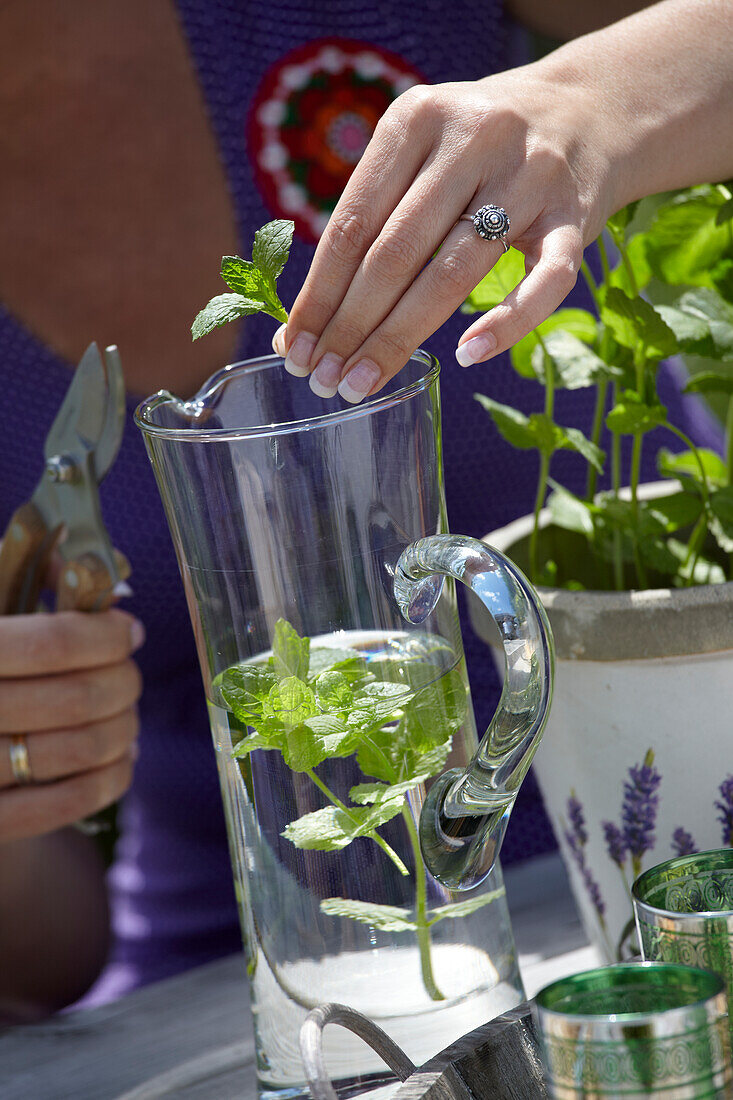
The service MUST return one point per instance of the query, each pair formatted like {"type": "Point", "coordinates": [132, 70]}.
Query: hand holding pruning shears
{"type": "Point", "coordinates": [68, 688]}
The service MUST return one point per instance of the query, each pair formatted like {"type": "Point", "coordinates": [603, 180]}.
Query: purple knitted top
{"type": "Point", "coordinates": [260, 66]}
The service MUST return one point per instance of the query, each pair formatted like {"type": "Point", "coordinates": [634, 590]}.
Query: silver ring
{"type": "Point", "coordinates": [490, 222]}
{"type": "Point", "coordinates": [19, 760]}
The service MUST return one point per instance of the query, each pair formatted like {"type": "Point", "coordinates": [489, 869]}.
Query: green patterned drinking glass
{"type": "Point", "coordinates": [684, 912]}
{"type": "Point", "coordinates": [637, 1030]}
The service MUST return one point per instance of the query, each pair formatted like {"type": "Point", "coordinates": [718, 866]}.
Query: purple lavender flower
{"type": "Point", "coordinates": [594, 891]}
{"type": "Point", "coordinates": [576, 848]}
{"type": "Point", "coordinates": [683, 843]}
{"type": "Point", "coordinates": [616, 843]}
{"type": "Point", "coordinates": [577, 818]}
{"type": "Point", "coordinates": [639, 810]}
{"type": "Point", "coordinates": [725, 817]}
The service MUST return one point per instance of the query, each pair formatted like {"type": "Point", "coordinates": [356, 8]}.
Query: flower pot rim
{"type": "Point", "coordinates": [594, 625]}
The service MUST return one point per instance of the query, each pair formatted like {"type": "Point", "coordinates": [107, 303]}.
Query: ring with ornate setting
{"type": "Point", "coordinates": [19, 760]}
{"type": "Point", "coordinates": [490, 222]}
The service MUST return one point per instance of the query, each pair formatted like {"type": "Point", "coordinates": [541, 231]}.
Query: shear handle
{"type": "Point", "coordinates": [25, 556]}
{"type": "Point", "coordinates": [85, 584]}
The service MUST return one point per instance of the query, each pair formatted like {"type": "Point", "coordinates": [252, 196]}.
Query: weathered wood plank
{"type": "Point", "coordinates": [104, 1053]}
{"type": "Point", "coordinates": [498, 1061]}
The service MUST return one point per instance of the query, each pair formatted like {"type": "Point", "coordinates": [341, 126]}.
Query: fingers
{"type": "Point", "coordinates": [69, 699]}
{"type": "Point", "coordinates": [39, 645]}
{"type": "Point", "coordinates": [386, 171]}
{"type": "Point", "coordinates": [55, 754]}
{"type": "Point", "coordinates": [433, 297]}
{"type": "Point", "coordinates": [410, 237]}
{"type": "Point", "coordinates": [550, 280]}
{"type": "Point", "coordinates": [38, 808]}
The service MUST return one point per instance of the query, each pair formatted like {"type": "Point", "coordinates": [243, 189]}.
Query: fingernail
{"type": "Point", "coordinates": [325, 378]}
{"type": "Point", "coordinates": [137, 635]}
{"type": "Point", "coordinates": [359, 381]}
{"type": "Point", "coordinates": [473, 351]}
{"type": "Point", "coordinates": [297, 361]}
{"type": "Point", "coordinates": [278, 341]}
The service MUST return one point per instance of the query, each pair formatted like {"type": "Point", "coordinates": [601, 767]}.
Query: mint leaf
{"type": "Point", "coordinates": [569, 512]}
{"type": "Point", "coordinates": [290, 701]}
{"type": "Point", "coordinates": [578, 322]}
{"type": "Point", "coordinates": [684, 243]}
{"type": "Point", "coordinates": [539, 431]}
{"type": "Point", "coordinates": [372, 793]}
{"type": "Point", "coordinates": [290, 652]}
{"type": "Point", "coordinates": [389, 918]}
{"type": "Point", "coordinates": [703, 571]}
{"type": "Point", "coordinates": [244, 689]}
{"type": "Point", "coordinates": [630, 416]}
{"type": "Point", "coordinates": [333, 691]}
{"type": "Point", "coordinates": [271, 247]}
{"type": "Point", "coordinates": [254, 281]}
{"type": "Point", "coordinates": [318, 738]}
{"type": "Point", "coordinates": [721, 504]}
{"type": "Point", "coordinates": [465, 908]}
{"type": "Point", "coordinates": [709, 382]}
{"type": "Point", "coordinates": [633, 320]}
{"type": "Point", "coordinates": [574, 440]}
{"type": "Point", "coordinates": [681, 509]}
{"type": "Point", "coordinates": [220, 310]}
{"type": "Point", "coordinates": [685, 465]}
{"type": "Point", "coordinates": [246, 278]}
{"type": "Point", "coordinates": [437, 710]}
{"type": "Point", "coordinates": [506, 273]}
{"type": "Point", "coordinates": [575, 366]}
{"type": "Point", "coordinates": [243, 277]}
{"type": "Point", "coordinates": [331, 829]}
{"type": "Point", "coordinates": [251, 742]}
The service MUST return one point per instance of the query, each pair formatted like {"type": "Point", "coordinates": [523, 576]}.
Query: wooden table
{"type": "Point", "coordinates": [190, 1037]}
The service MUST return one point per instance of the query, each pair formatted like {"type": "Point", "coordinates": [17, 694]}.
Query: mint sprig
{"type": "Point", "coordinates": [312, 704]}
{"type": "Point", "coordinates": [253, 282]}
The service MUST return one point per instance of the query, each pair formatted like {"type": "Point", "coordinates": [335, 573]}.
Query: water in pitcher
{"type": "Point", "coordinates": [335, 901]}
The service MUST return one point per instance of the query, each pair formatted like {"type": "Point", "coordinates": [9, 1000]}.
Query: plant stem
{"type": "Point", "coordinates": [591, 284]}
{"type": "Point", "coordinates": [373, 835]}
{"type": "Point", "coordinates": [729, 441]}
{"type": "Point", "coordinates": [539, 501]}
{"type": "Point", "coordinates": [595, 435]}
{"type": "Point", "coordinates": [544, 472]}
{"type": "Point", "coordinates": [618, 240]}
{"type": "Point", "coordinates": [603, 254]}
{"type": "Point", "coordinates": [635, 474]}
{"type": "Point", "coordinates": [421, 910]}
{"type": "Point", "coordinates": [618, 563]}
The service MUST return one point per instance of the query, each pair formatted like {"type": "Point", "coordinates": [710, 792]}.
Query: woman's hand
{"type": "Point", "coordinates": [519, 140]}
{"type": "Point", "coordinates": [67, 683]}
{"type": "Point", "coordinates": [560, 144]}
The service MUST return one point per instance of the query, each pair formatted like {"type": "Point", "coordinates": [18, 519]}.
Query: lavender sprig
{"type": "Point", "coordinates": [616, 843]}
{"type": "Point", "coordinates": [577, 818]}
{"type": "Point", "coordinates": [683, 843]}
{"type": "Point", "coordinates": [639, 810]}
{"type": "Point", "coordinates": [725, 805]}
{"type": "Point", "coordinates": [576, 837]}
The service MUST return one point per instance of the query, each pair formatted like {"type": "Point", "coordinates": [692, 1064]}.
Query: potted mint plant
{"type": "Point", "coordinates": [636, 579]}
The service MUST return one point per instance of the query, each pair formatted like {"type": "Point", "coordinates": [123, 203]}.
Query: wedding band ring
{"type": "Point", "coordinates": [19, 760]}
{"type": "Point", "coordinates": [490, 222]}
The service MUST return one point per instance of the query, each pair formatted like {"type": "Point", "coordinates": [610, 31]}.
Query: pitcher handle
{"type": "Point", "coordinates": [465, 814]}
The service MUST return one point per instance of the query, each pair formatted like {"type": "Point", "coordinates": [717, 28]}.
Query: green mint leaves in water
{"type": "Point", "coordinates": [253, 283]}
{"type": "Point", "coordinates": [395, 716]}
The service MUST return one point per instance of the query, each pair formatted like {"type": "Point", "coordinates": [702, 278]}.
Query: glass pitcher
{"type": "Point", "coordinates": [364, 819]}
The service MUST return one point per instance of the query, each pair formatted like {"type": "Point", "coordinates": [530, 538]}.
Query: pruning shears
{"type": "Point", "coordinates": [64, 515]}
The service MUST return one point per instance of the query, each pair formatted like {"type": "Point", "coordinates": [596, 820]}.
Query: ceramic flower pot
{"type": "Point", "coordinates": [636, 764]}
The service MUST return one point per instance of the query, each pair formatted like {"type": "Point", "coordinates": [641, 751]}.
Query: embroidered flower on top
{"type": "Point", "coordinates": [312, 118]}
